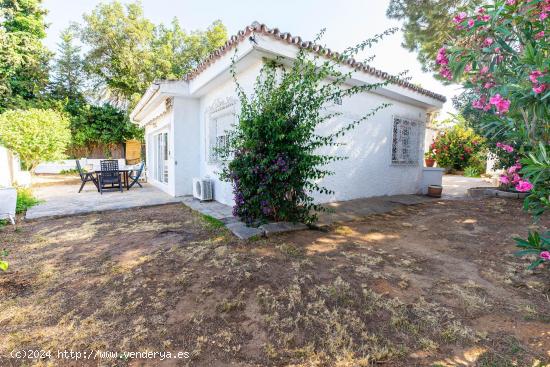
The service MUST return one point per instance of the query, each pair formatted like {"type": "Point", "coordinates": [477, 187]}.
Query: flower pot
{"type": "Point", "coordinates": [8, 201]}
{"type": "Point", "coordinates": [435, 191]}
{"type": "Point", "coordinates": [429, 162]}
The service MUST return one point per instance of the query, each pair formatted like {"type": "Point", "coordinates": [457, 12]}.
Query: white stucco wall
{"type": "Point", "coordinates": [187, 144]}
{"type": "Point", "coordinates": [222, 190]}
{"type": "Point", "coordinates": [367, 172]}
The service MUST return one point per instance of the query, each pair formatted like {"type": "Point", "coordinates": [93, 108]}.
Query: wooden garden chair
{"type": "Point", "coordinates": [85, 177]}
{"type": "Point", "coordinates": [109, 176]}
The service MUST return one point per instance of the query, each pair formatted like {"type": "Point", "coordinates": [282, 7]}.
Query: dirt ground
{"type": "Point", "coordinates": [429, 285]}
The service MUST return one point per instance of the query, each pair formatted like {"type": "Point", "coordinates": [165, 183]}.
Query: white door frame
{"type": "Point", "coordinates": [160, 152]}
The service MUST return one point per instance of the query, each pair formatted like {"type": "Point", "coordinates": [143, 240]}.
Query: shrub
{"type": "Point", "coordinates": [25, 200]}
{"type": "Point", "coordinates": [276, 162]}
{"type": "Point", "coordinates": [35, 135]}
{"type": "Point", "coordinates": [457, 148]}
{"type": "Point", "coordinates": [472, 171]}
{"type": "Point", "coordinates": [501, 57]}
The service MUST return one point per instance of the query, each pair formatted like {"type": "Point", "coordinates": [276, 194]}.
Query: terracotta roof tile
{"type": "Point", "coordinates": [323, 51]}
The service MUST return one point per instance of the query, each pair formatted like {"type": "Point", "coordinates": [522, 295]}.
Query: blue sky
{"type": "Point", "coordinates": [347, 22]}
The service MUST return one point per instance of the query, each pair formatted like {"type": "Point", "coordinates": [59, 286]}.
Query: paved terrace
{"type": "Point", "coordinates": [63, 199]}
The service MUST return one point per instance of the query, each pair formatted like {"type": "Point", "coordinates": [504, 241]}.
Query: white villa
{"type": "Point", "coordinates": [185, 119]}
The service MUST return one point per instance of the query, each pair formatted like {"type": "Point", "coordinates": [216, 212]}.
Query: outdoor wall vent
{"type": "Point", "coordinates": [202, 189]}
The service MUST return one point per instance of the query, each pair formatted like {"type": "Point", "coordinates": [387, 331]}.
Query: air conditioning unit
{"type": "Point", "coordinates": [203, 189]}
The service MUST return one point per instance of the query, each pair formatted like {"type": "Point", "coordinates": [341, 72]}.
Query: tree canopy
{"type": "Point", "coordinates": [127, 51]}
{"type": "Point", "coordinates": [35, 135]}
{"type": "Point", "coordinates": [427, 24]}
{"type": "Point", "coordinates": [24, 66]}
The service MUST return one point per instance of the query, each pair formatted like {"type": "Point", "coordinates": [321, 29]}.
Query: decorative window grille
{"type": "Point", "coordinates": [221, 120]}
{"type": "Point", "coordinates": [406, 141]}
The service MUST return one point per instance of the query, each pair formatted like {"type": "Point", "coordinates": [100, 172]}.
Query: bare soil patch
{"type": "Point", "coordinates": [429, 285]}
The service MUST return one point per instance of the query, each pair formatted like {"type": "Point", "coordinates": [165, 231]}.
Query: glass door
{"type": "Point", "coordinates": [160, 142]}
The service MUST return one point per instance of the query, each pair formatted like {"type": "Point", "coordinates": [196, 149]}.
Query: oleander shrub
{"type": "Point", "coordinates": [459, 147]}
{"type": "Point", "coordinates": [501, 58]}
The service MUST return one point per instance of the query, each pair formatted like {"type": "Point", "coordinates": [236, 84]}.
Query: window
{"type": "Point", "coordinates": [405, 142]}
{"type": "Point", "coordinates": [220, 126]}
{"type": "Point", "coordinates": [221, 119]}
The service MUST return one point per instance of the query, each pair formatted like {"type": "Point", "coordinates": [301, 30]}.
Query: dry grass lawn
{"type": "Point", "coordinates": [430, 285]}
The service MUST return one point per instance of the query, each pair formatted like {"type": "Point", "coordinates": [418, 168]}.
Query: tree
{"type": "Point", "coordinates": [178, 52]}
{"type": "Point", "coordinates": [120, 57]}
{"type": "Point", "coordinates": [24, 66]}
{"type": "Point", "coordinates": [100, 125]}
{"type": "Point", "coordinates": [427, 24]}
{"type": "Point", "coordinates": [127, 51]}
{"type": "Point", "coordinates": [68, 76]}
{"type": "Point", "coordinates": [36, 135]}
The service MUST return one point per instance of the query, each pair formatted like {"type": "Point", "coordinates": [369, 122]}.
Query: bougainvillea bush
{"type": "Point", "coordinates": [458, 147]}
{"type": "Point", "coordinates": [274, 156]}
{"type": "Point", "coordinates": [501, 57]}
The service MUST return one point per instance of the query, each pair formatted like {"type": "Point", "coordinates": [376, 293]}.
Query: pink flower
{"type": "Point", "coordinates": [488, 85]}
{"type": "Point", "coordinates": [471, 23]}
{"type": "Point", "coordinates": [504, 180]}
{"type": "Point", "coordinates": [502, 105]}
{"type": "Point", "coordinates": [478, 104]}
{"type": "Point", "coordinates": [441, 58]}
{"type": "Point", "coordinates": [539, 35]}
{"type": "Point", "coordinates": [510, 2]}
{"type": "Point", "coordinates": [506, 147]}
{"type": "Point", "coordinates": [514, 169]}
{"type": "Point", "coordinates": [481, 10]}
{"type": "Point", "coordinates": [515, 179]}
{"type": "Point", "coordinates": [446, 73]}
{"type": "Point", "coordinates": [539, 88]}
{"type": "Point", "coordinates": [535, 74]}
{"type": "Point", "coordinates": [468, 67]}
{"type": "Point", "coordinates": [543, 16]}
{"type": "Point", "coordinates": [484, 70]}
{"type": "Point", "coordinates": [524, 186]}
{"type": "Point", "coordinates": [460, 18]}
{"type": "Point", "coordinates": [545, 255]}
{"type": "Point", "coordinates": [488, 41]}
{"type": "Point", "coordinates": [484, 17]}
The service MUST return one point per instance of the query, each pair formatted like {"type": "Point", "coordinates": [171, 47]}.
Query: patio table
{"type": "Point", "coordinates": [125, 172]}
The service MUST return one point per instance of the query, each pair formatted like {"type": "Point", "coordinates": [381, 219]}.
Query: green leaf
{"type": "Point", "coordinates": [3, 265]}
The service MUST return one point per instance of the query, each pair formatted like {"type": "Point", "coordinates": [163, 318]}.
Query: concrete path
{"type": "Point", "coordinates": [63, 200]}
{"type": "Point", "coordinates": [358, 209]}
{"type": "Point", "coordinates": [456, 187]}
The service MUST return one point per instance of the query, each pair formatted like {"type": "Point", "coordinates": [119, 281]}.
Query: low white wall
{"type": "Point", "coordinates": [431, 176]}
{"type": "Point", "coordinates": [10, 167]}
{"type": "Point", "coordinates": [68, 164]}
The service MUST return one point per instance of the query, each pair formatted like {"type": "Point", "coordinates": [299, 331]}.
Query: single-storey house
{"type": "Point", "coordinates": [185, 119]}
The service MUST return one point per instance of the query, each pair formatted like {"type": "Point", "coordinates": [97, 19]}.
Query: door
{"type": "Point", "coordinates": [160, 162]}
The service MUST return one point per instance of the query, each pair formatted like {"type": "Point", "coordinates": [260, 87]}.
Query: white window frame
{"type": "Point", "coordinates": [405, 131]}
{"type": "Point", "coordinates": [219, 109]}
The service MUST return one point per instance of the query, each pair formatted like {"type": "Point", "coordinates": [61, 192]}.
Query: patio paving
{"type": "Point", "coordinates": [63, 200]}
{"type": "Point", "coordinates": [456, 187]}
{"type": "Point", "coordinates": [358, 209]}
